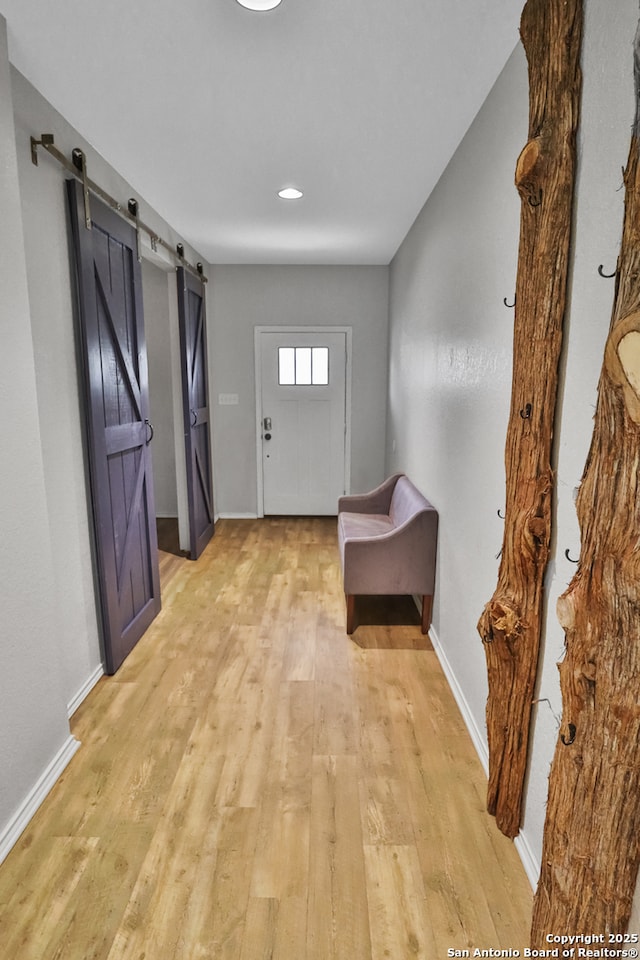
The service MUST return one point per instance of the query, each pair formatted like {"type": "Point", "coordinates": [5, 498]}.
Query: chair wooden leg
{"type": "Point", "coordinates": [351, 611]}
{"type": "Point", "coordinates": [427, 603]}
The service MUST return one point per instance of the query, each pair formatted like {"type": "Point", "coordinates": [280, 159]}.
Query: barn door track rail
{"type": "Point", "coordinates": [77, 166]}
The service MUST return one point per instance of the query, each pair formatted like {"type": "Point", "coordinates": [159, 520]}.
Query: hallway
{"type": "Point", "coordinates": [255, 784]}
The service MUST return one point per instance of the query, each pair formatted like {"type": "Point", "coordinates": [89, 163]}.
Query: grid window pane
{"type": "Point", "coordinates": [320, 366]}
{"type": "Point", "coordinates": [286, 366]}
{"type": "Point", "coordinates": [303, 365]}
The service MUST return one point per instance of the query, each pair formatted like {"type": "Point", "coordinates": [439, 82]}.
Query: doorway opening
{"type": "Point", "coordinates": [158, 293]}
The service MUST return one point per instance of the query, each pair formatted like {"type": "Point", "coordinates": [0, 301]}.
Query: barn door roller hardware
{"type": "Point", "coordinates": [78, 167]}
{"type": "Point", "coordinates": [132, 206]}
{"type": "Point", "coordinates": [80, 163]}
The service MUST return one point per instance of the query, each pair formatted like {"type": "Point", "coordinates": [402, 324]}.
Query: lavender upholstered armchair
{"type": "Point", "coordinates": [387, 541]}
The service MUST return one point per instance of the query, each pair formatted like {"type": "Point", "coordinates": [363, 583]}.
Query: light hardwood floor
{"type": "Point", "coordinates": [254, 784]}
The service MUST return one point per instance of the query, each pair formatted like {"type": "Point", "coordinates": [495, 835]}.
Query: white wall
{"type": "Point", "coordinates": [59, 403]}
{"type": "Point", "coordinates": [450, 356]}
{"type": "Point", "coordinates": [243, 297]}
{"type": "Point", "coordinates": [33, 722]}
{"type": "Point", "coordinates": [50, 636]}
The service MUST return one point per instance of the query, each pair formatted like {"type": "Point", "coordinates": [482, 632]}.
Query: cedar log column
{"type": "Point", "coordinates": [591, 845]}
{"type": "Point", "coordinates": [510, 624]}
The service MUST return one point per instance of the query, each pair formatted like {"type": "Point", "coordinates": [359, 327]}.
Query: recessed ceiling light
{"type": "Point", "coordinates": [290, 193]}
{"type": "Point", "coordinates": [259, 4]}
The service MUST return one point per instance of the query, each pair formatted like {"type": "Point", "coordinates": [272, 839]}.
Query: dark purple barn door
{"type": "Point", "coordinates": [195, 402]}
{"type": "Point", "coordinates": [119, 431]}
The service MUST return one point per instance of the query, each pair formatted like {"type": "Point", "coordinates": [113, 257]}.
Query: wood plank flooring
{"type": "Point", "coordinates": [170, 556]}
{"type": "Point", "coordinates": [255, 784]}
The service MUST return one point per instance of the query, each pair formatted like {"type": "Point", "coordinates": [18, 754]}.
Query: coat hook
{"type": "Point", "coordinates": [572, 735]}
{"type": "Point", "coordinates": [607, 276]}
{"type": "Point", "coordinates": [510, 305]}
{"type": "Point", "coordinates": [526, 413]}
{"type": "Point", "coordinates": [566, 553]}
{"type": "Point", "coordinates": [546, 700]}
{"type": "Point", "coordinates": [500, 515]}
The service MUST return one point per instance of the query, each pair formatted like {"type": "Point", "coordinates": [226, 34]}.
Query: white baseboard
{"type": "Point", "coordinates": [237, 516]}
{"type": "Point", "coordinates": [10, 834]}
{"type": "Point", "coordinates": [529, 861]}
{"type": "Point", "coordinates": [474, 731]}
{"type": "Point", "coordinates": [85, 690]}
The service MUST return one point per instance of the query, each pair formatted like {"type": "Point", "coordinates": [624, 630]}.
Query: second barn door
{"type": "Point", "coordinates": [195, 403]}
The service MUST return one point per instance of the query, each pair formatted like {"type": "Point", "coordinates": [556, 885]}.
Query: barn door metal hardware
{"type": "Point", "coordinates": [607, 276]}
{"type": "Point", "coordinates": [77, 166]}
{"type": "Point", "coordinates": [80, 163]}
{"type": "Point", "coordinates": [132, 206]}
{"type": "Point", "coordinates": [46, 141]}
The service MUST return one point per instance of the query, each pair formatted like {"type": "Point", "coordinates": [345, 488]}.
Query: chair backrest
{"type": "Point", "coordinates": [406, 501]}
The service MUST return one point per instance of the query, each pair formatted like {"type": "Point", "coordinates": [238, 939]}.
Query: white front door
{"type": "Point", "coordinates": [302, 420]}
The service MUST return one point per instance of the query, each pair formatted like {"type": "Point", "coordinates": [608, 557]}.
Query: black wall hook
{"type": "Point", "coordinates": [510, 305]}
{"type": "Point", "coordinates": [500, 515]}
{"type": "Point", "coordinates": [526, 413]}
{"type": "Point", "coordinates": [566, 553]}
{"type": "Point", "coordinates": [607, 276]}
{"type": "Point", "coordinates": [572, 735]}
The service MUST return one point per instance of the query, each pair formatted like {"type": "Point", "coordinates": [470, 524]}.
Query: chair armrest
{"type": "Point", "coordinates": [376, 501]}
{"type": "Point", "coordinates": [401, 561]}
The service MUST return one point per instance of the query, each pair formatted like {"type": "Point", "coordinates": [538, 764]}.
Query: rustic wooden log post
{"type": "Point", "coordinates": [510, 624]}
{"type": "Point", "coordinates": [591, 847]}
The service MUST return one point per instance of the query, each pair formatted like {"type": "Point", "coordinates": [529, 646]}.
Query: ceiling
{"type": "Point", "coordinates": [208, 109]}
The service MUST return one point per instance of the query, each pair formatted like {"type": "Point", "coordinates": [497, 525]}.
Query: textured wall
{"type": "Point", "coordinates": [450, 354]}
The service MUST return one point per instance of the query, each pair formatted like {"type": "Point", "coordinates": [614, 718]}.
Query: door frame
{"type": "Point", "coordinates": [164, 262]}
{"type": "Point", "coordinates": [257, 354]}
